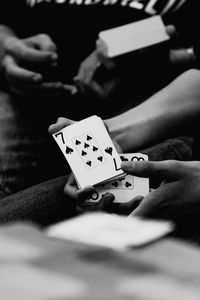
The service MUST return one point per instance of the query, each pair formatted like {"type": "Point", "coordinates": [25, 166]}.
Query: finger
{"type": "Point", "coordinates": [43, 42]}
{"type": "Point", "coordinates": [15, 73]}
{"type": "Point", "coordinates": [44, 89]}
{"type": "Point", "coordinates": [72, 89]}
{"type": "Point", "coordinates": [102, 53]}
{"type": "Point", "coordinates": [22, 52]}
{"type": "Point", "coordinates": [105, 203]}
{"type": "Point", "coordinates": [168, 169]}
{"type": "Point", "coordinates": [171, 30]}
{"type": "Point", "coordinates": [79, 84]}
{"type": "Point", "coordinates": [127, 207]}
{"type": "Point", "coordinates": [79, 195]}
{"type": "Point", "coordinates": [150, 206]}
{"type": "Point", "coordinates": [33, 87]}
{"type": "Point", "coordinates": [60, 124]}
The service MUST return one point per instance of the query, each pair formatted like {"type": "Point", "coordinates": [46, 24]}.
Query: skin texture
{"type": "Point", "coordinates": [24, 61]}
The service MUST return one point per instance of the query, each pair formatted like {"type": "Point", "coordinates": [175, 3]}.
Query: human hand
{"type": "Point", "coordinates": [23, 63]}
{"type": "Point", "coordinates": [179, 56]}
{"type": "Point", "coordinates": [79, 196]}
{"type": "Point", "coordinates": [64, 122]}
{"type": "Point", "coordinates": [177, 198]}
{"type": "Point", "coordinates": [87, 78]}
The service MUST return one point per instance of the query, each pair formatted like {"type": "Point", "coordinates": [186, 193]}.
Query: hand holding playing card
{"type": "Point", "coordinates": [89, 151]}
{"type": "Point", "coordinates": [178, 196]}
{"type": "Point", "coordinates": [123, 189]}
{"type": "Point", "coordinates": [64, 122]}
{"type": "Point", "coordinates": [107, 204]}
{"type": "Point", "coordinates": [97, 73]}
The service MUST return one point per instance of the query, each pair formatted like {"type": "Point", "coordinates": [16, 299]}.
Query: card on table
{"type": "Point", "coordinates": [110, 230]}
{"type": "Point", "coordinates": [90, 152]}
{"type": "Point", "coordinates": [134, 36]}
{"type": "Point", "coordinates": [126, 188]}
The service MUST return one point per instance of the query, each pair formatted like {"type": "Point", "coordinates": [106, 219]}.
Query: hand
{"type": "Point", "coordinates": [23, 61]}
{"type": "Point", "coordinates": [72, 192]}
{"type": "Point", "coordinates": [87, 78]}
{"type": "Point", "coordinates": [79, 196]}
{"type": "Point", "coordinates": [178, 197]}
{"type": "Point", "coordinates": [179, 56]}
{"type": "Point", "coordinates": [64, 122]}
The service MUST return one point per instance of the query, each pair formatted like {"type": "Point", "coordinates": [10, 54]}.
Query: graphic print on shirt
{"type": "Point", "coordinates": [151, 7]}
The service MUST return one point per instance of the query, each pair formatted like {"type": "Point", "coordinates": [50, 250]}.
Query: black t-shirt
{"type": "Point", "coordinates": [74, 24]}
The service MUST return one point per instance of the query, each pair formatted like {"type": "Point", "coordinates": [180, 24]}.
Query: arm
{"type": "Point", "coordinates": [42, 204]}
{"type": "Point", "coordinates": [160, 116]}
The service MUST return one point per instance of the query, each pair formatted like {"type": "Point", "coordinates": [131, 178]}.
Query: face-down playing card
{"type": "Point", "coordinates": [126, 188]}
{"type": "Point", "coordinates": [89, 151]}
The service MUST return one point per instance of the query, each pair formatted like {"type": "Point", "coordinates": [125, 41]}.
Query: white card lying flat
{"type": "Point", "coordinates": [110, 230]}
{"type": "Point", "coordinates": [134, 36]}
{"type": "Point", "coordinates": [89, 151]}
{"type": "Point", "coordinates": [126, 188]}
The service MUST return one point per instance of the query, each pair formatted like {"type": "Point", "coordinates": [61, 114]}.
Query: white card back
{"type": "Point", "coordinates": [134, 36]}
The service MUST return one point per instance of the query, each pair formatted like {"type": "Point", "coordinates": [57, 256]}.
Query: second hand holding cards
{"type": "Point", "coordinates": [90, 152]}
{"type": "Point", "coordinates": [124, 189]}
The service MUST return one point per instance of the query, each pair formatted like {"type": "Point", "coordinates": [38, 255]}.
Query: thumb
{"type": "Point", "coordinates": [165, 169]}
{"type": "Point", "coordinates": [60, 124]}
{"type": "Point", "coordinates": [102, 54]}
{"type": "Point", "coordinates": [172, 32]}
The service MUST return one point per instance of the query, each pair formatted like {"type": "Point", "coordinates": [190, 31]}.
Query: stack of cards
{"type": "Point", "coordinates": [126, 188]}
{"type": "Point", "coordinates": [134, 36]}
{"type": "Point", "coordinates": [113, 231]}
{"type": "Point", "coordinates": [90, 152]}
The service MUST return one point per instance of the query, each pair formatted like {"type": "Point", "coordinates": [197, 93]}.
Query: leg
{"type": "Point", "coordinates": [42, 204]}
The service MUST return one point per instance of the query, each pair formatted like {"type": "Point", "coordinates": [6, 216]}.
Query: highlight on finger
{"type": "Point", "coordinates": [60, 124]}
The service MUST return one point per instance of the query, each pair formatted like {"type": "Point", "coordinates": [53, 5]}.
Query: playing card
{"type": "Point", "coordinates": [126, 188]}
{"type": "Point", "coordinates": [112, 231]}
{"type": "Point", "coordinates": [134, 36]}
{"type": "Point", "coordinates": [89, 151]}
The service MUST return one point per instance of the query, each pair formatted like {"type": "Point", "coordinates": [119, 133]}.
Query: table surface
{"type": "Point", "coordinates": [33, 266]}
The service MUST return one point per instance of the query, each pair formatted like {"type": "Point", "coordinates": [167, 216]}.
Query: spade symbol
{"type": "Point", "coordinates": [68, 150]}
{"type": "Point", "coordinates": [100, 158]}
{"type": "Point", "coordinates": [94, 148]}
{"type": "Point", "coordinates": [88, 138]}
{"type": "Point", "coordinates": [78, 142]}
{"type": "Point", "coordinates": [109, 150]}
{"type": "Point", "coordinates": [83, 153]}
{"type": "Point", "coordinates": [89, 163]}
{"type": "Point", "coordinates": [86, 145]}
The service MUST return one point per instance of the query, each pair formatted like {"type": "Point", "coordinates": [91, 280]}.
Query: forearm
{"type": "Point", "coordinates": [160, 116]}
